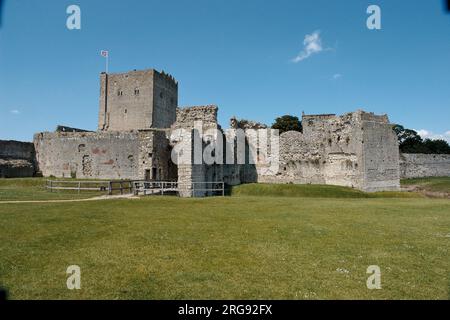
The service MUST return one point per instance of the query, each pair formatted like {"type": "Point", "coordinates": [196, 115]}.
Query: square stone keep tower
{"type": "Point", "coordinates": [137, 100]}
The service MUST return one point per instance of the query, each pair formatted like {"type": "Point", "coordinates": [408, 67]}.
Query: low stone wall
{"type": "Point", "coordinates": [99, 155]}
{"type": "Point", "coordinates": [413, 165]}
{"type": "Point", "coordinates": [17, 159]}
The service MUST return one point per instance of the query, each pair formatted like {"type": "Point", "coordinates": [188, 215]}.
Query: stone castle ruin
{"type": "Point", "coordinates": [139, 125]}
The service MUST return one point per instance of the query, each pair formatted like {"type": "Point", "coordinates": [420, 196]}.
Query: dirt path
{"type": "Point", "coordinates": [127, 196]}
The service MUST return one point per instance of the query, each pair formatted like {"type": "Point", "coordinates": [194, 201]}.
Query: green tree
{"type": "Point", "coordinates": [438, 146]}
{"type": "Point", "coordinates": [287, 123]}
{"type": "Point", "coordinates": [406, 135]}
{"type": "Point", "coordinates": [411, 142]}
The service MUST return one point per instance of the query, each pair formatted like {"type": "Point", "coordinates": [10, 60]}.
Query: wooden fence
{"type": "Point", "coordinates": [172, 187]}
{"type": "Point", "coordinates": [139, 187]}
{"type": "Point", "coordinates": [109, 187]}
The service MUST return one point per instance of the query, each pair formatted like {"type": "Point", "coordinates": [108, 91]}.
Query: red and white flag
{"type": "Point", "coordinates": [104, 53]}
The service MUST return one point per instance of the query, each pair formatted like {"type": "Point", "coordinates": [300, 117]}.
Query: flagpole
{"type": "Point", "coordinates": [107, 58]}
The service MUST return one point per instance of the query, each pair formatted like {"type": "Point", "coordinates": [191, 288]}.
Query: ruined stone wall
{"type": "Point", "coordinates": [192, 175]}
{"type": "Point", "coordinates": [155, 157]}
{"type": "Point", "coordinates": [96, 155]}
{"type": "Point", "coordinates": [137, 100]}
{"type": "Point", "coordinates": [424, 165]}
{"type": "Point", "coordinates": [16, 159]}
{"type": "Point", "coordinates": [339, 138]}
{"type": "Point", "coordinates": [356, 149]}
{"type": "Point", "coordinates": [185, 117]}
{"type": "Point", "coordinates": [328, 151]}
{"type": "Point", "coordinates": [381, 152]}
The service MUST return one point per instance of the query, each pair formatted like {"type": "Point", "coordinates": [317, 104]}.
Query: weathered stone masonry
{"type": "Point", "coordinates": [136, 109]}
{"type": "Point", "coordinates": [137, 100]}
{"type": "Point", "coordinates": [358, 149]}
{"type": "Point", "coordinates": [103, 155]}
{"type": "Point", "coordinates": [424, 165]}
{"type": "Point", "coordinates": [138, 117]}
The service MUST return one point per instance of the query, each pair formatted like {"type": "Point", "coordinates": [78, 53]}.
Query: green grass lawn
{"type": "Point", "coordinates": [34, 189]}
{"type": "Point", "coordinates": [238, 247]}
{"type": "Point", "coordinates": [438, 184]}
{"type": "Point", "coordinates": [314, 191]}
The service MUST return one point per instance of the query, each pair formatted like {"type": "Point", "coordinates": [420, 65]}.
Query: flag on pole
{"type": "Point", "coordinates": [105, 54]}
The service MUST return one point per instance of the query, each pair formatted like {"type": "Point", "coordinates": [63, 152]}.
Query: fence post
{"type": "Point", "coordinates": [51, 185]}
{"type": "Point", "coordinates": [110, 187]}
{"type": "Point", "coordinates": [223, 189]}
{"type": "Point", "coordinates": [79, 187]}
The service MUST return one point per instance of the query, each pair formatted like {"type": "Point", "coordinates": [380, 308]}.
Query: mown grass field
{"type": "Point", "coordinates": [34, 189]}
{"type": "Point", "coordinates": [312, 242]}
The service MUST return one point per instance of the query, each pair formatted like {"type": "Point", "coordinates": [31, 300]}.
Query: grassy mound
{"type": "Point", "coordinates": [312, 191]}
{"type": "Point", "coordinates": [433, 184]}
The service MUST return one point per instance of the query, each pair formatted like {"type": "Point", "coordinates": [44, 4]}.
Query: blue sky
{"type": "Point", "coordinates": [236, 54]}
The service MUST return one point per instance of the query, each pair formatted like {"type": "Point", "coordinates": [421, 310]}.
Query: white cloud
{"type": "Point", "coordinates": [426, 134]}
{"type": "Point", "coordinates": [14, 111]}
{"type": "Point", "coordinates": [312, 44]}
{"type": "Point", "coordinates": [423, 133]}
{"type": "Point", "coordinates": [337, 76]}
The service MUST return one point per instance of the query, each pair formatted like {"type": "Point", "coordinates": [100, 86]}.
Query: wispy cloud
{"type": "Point", "coordinates": [312, 44]}
{"type": "Point", "coordinates": [426, 134]}
{"type": "Point", "coordinates": [14, 111]}
{"type": "Point", "coordinates": [337, 76]}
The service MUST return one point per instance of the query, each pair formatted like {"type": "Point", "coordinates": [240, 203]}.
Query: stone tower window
{"type": "Point", "coordinates": [161, 95]}
{"type": "Point", "coordinates": [119, 93]}
{"type": "Point", "coordinates": [136, 91]}
{"type": "Point", "coordinates": [125, 110]}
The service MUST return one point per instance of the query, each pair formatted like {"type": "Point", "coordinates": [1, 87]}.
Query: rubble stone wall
{"type": "Point", "coordinates": [424, 165]}
{"type": "Point", "coordinates": [102, 155]}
